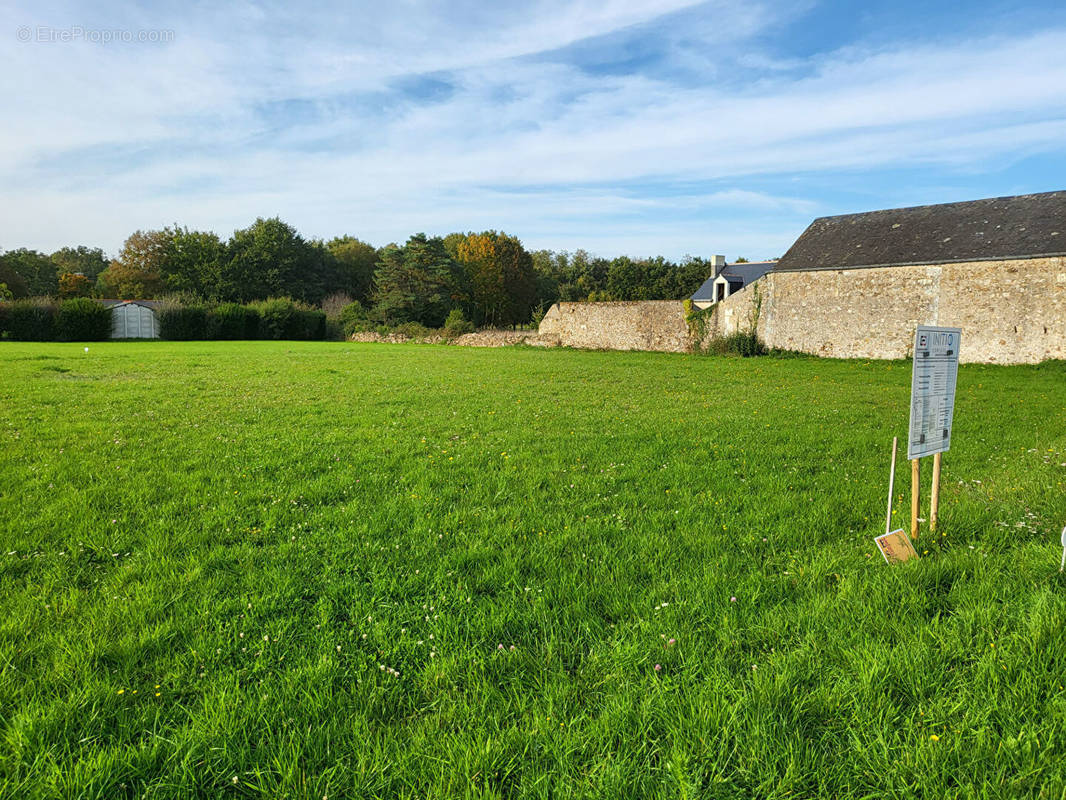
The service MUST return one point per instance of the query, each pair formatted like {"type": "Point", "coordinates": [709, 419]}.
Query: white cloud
{"type": "Point", "coordinates": [101, 140]}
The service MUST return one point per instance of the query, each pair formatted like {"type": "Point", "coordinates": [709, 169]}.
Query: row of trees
{"type": "Point", "coordinates": [489, 276]}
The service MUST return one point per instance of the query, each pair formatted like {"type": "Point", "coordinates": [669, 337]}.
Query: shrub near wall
{"type": "Point", "coordinates": [32, 320]}
{"type": "Point", "coordinates": [5, 315]}
{"type": "Point", "coordinates": [82, 320]}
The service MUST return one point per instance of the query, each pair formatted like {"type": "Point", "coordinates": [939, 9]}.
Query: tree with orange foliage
{"type": "Point", "coordinates": [501, 276]}
{"type": "Point", "coordinates": [74, 284]}
{"type": "Point", "coordinates": [137, 272]}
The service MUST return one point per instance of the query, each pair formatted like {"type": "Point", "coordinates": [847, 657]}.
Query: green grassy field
{"type": "Point", "coordinates": [335, 570]}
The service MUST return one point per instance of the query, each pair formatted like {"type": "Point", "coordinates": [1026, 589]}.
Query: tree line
{"type": "Point", "coordinates": [489, 276]}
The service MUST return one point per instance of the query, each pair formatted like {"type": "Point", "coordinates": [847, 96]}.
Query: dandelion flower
{"type": "Point", "coordinates": [934, 738]}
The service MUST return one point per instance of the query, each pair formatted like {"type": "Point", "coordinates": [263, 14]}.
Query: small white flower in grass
{"type": "Point", "coordinates": [658, 667]}
{"type": "Point", "coordinates": [338, 648]}
{"type": "Point", "coordinates": [512, 648]}
{"type": "Point", "coordinates": [733, 599]}
{"type": "Point", "coordinates": [235, 779]}
{"type": "Point", "coordinates": [499, 646]}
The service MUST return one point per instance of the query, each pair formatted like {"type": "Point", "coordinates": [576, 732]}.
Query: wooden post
{"type": "Point", "coordinates": [934, 497]}
{"type": "Point", "coordinates": [891, 486]}
{"type": "Point", "coordinates": [915, 487]}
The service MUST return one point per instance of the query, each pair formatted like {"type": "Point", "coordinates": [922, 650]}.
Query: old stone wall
{"type": "Point", "coordinates": [484, 338]}
{"type": "Point", "coordinates": [641, 325]}
{"type": "Point", "coordinates": [1010, 312]}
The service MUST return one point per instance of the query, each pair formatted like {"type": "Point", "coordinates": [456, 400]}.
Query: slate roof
{"type": "Point", "coordinates": [706, 290]}
{"type": "Point", "coordinates": [747, 272]}
{"type": "Point", "coordinates": [743, 273]}
{"type": "Point", "coordinates": [1002, 228]}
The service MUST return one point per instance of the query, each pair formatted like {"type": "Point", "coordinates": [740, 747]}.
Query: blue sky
{"type": "Point", "coordinates": [666, 128]}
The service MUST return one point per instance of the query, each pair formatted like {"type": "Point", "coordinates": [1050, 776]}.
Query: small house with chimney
{"type": "Point", "coordinates": [728, 279]}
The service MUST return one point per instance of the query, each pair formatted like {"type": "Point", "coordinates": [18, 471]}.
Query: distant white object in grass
{"type": "Point", "coordinates": [86, 349]}
{"type": "Point", "coordinates": [1063, 562]}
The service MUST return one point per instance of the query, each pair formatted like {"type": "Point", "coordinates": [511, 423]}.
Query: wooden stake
{"type": "Point", "coordinates": [891, 486]}
{"type": "Point", "coordinates": [915, 487]}
{"type": "Point", "coordinates": [934, 498]}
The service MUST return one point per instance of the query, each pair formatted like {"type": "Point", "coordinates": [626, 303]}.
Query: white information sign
{"type": "Point", "coordinates": [936, 368]}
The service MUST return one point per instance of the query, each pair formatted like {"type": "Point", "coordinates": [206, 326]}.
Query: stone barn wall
{"type": "Point", "coordinates": [1010, 312]}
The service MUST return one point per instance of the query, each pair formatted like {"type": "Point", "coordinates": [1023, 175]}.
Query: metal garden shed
{"type": "Point", "coordinates": [134, 319]}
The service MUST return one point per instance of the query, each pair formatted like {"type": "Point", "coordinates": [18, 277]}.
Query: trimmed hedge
{"type": "Point", "coordinates": [32, 320]}
{"type": "Point", "coordinates": [82, 320]}
{"type": "Point", "coordinates": [232, 321]}
{"type": "Point", "coordinates": [182, 323]}
{"type": "Point", "coordinates": [313, 325]}
{"type": "Point", "coordinates": [281, 318]}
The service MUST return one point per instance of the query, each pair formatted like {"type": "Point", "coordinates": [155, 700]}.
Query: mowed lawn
{"type": "Point", "coordinates": [315, 570]}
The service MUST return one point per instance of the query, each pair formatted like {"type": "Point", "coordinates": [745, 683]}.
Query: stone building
{"type": "Point", "coordinates": [856, 285]}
